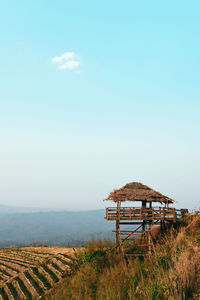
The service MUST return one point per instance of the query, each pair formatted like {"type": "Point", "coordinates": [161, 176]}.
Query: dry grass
{"type": "Point", "coordinates": [50, 249]}
{"type": "Point", "coordinates": [173, 272]}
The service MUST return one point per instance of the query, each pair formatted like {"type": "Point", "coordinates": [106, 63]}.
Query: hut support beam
{"type": "Point", "coordinates": [117, 229]}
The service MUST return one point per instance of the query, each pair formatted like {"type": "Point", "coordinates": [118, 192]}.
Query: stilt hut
{"type": "Point", "coordinates": [153, 209]}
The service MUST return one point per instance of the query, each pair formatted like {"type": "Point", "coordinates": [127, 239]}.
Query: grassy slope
{"type": "Point", "coordinates": [173, 271]}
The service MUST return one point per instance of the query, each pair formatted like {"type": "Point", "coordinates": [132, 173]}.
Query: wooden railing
{"type": "Point", "coordinates": [138, 213]}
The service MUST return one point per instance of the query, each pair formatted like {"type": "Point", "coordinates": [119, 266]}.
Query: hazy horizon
{"type": "Point", "coordinates": [96, 95]}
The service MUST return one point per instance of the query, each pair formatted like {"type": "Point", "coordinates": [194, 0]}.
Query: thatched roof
{"type": "Point", "coordinates": [136, 191]}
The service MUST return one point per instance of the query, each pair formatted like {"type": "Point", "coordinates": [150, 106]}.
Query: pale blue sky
{"type": "Point", "coordinates": [129, 110]}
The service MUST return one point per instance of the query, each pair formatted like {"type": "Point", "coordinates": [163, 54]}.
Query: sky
{"type": "Point", "coordinates": [96, 94]}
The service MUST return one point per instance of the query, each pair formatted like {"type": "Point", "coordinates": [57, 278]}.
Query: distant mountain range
{"type": "Point", "coordinates": [4, 209]}
{"type": "Point", "coordinates": [25, 226]}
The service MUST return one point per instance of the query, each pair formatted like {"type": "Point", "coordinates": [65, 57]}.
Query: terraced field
{"type": "Point", "coordinates": [28, 273]}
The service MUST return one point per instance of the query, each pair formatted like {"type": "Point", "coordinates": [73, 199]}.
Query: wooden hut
{"type": "Point", "coordinates": [154, 209]}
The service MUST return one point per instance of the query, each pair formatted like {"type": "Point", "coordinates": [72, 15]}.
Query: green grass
{"type": "Point", "coordinates": [198, 239]}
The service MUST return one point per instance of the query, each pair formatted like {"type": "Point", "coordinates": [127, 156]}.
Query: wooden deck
{"type": "Point", "coordinates": [151, 214]}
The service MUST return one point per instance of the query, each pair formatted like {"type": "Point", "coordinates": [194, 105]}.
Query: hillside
{"type": "Point", "coordinates": [51, 227]}
{"type": "Point", "coordinates": [172, 272]}
{"type": "Point", "coordinates": [97, 272]}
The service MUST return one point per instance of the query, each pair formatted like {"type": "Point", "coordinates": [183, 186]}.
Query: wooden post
{"type": "Point", "coordinates": [143, 226]}
{"type": "Point", "coordinates": [174, 214]}
{"type": "Point", "coordinates": [149, 240]}
{"type": "Point", "coordinates": [161, 226]}
{"type": "Point", "coordinates": [144, 204]}
{"type": "Point", "coordinates": [143, 222]}
{"type": "Point", "coordinates": [117, 237]}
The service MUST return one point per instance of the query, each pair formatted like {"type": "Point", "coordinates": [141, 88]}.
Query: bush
{"type": "Point", "coordinates": [198, 224]}
{"type": "Point", "coordinates": [198, 239]}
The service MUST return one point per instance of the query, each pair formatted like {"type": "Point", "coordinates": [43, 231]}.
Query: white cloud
{"type": "Point", "coordinates": [63, 57]}
{"type": "Point", "coordinates": [70, 65]}
{"type": "Point", "coordinates": [66, 61]}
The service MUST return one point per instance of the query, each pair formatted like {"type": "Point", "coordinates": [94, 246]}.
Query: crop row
{"type": "Point", "coordinates": [33, 281]}
{"type": "Point", "coordinates": [16, 261]}
{"type": "Point", "coordinates": [26, 256]}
